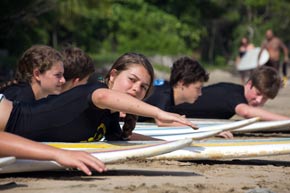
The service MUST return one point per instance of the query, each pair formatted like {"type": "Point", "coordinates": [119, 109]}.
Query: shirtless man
{"type": "Point", "coordinates": [274, 45]}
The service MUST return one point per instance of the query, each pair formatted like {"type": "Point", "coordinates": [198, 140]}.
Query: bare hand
{"type": "Point", "coordinates": [226, 135]}
{"type": "Point", "coordinates": [167, 117]}
{"type": "Point", "coordinates": [80, 160]}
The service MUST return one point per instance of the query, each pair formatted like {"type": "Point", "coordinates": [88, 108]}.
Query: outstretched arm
{"type": "Point", "coordinates": [247, 111]}
{"type": "Point", "coordinates": [13, 145]}
{"type": "Point", "coordinates": [117, 101]}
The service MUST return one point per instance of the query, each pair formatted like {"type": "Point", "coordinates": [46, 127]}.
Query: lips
{"type": "Point", "coordinates": [133, 95]}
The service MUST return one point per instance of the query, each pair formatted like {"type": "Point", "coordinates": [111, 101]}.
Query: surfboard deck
{"type": "Point", "coordinates": [230, 149]}
{"type": "Point", "coordinates": [106, 152]}
{"type": "Point", "coordinates": [171, 133]}
{"type": "Point", "coordinates": [250, 59]}
{"type": "Point", "coordinates": [262, 126]}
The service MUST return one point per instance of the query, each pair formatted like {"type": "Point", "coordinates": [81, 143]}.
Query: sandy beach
{"type": "Point", "coordinates": [261, 174]}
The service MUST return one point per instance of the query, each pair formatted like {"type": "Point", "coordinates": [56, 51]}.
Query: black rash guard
{"type": "Point", "coordinates": [218, 101]}
{"type": "Point", "coordinates": [161, 97]}
{"type": "Point", "coordinates": [20, 92]}
{"type": "Point", "coordinates": [68, 117]}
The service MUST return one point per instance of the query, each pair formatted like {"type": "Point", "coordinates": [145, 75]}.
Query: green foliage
{"type": "Point", "coordinates": [162, 68]}
{"type": "Point", "coordinates": [138, 26]}
{"type": "Point", "coordinates": [105, 29]}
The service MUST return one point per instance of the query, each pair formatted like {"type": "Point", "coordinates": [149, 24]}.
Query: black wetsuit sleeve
{"type": "Point", "coordinates": [44, 118]}
{"type": "Point", "coordinates": [19, 92]}
{"type": "Point", "coordinates": [217, 102]}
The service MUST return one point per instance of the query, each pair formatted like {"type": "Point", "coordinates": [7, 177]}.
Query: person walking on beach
{"type": "Point", "coordinates": [274, 45]}
{"type": "Point", "coordinates": [245, 46]}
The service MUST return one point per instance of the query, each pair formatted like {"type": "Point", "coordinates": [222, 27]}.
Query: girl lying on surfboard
{"type": "Point", "coordinates": [89, 112]}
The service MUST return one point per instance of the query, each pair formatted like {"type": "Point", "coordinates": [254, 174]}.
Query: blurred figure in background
{"type": "Point", "coordinates": [274, 46]}
{"type": "Point", "coordinates": [245, 46]}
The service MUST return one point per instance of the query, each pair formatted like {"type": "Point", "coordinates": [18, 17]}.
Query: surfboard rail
{"type": "Point", "coordinates": [106, 153]}
{"type": "Point", "coordinates": [231, 149]}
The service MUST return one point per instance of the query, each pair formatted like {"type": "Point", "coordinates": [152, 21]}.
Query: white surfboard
{"type": "Point", "coordinates": [6, 161]}
{"type": "Point", "coordinates": [264, 126]}
{"type": "Point", "coordinates": [204, 125]}
{"type": "Point", "coordinates": [171, 133]}
{"type": "Point", "coordinates": [230, 149]}
{"type": "Point", "coordinates": [106, 152]}
{"type": "Point", "coordinates": [250, 59]}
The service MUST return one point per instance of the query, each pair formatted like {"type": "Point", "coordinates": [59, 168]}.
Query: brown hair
{"type": "Point", "coordinates": [188, 70]}
{"type": "Point", "coordinates": [77, 64]}
{"type": "Point", "coordinates": [121, 64]}
{"type": "Point", "coordinates": [127, 59]}
{"type": "Point", "coordinates": [266, 80]}
{"type": "Point", "coordinates": [37, 56]}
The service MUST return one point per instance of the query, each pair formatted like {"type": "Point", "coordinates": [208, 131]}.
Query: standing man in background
{"type": "Point", "coordinates": [274, 45]}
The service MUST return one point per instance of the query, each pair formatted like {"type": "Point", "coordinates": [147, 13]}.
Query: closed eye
{"type": "Point", "coordinates": [59, 75]}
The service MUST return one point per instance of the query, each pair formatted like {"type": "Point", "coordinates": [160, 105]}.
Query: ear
{"type": "Point", "coordinates": [36, 74]}
{"type": "Point", "coordinates": [113, 75]}
{"type": "Point", "coordinates": [250, 84]}
{"type": "Point", "coordinates": [75, 81]}
{"type": "Point", "coordinates": [180, 83]}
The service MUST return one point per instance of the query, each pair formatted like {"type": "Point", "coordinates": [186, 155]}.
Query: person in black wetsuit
{"type": "Point", "coordinates": [19, 147]}
{"type": "Point", "coordinates": [186, 80]}
{"type": "Point", "coordinates": [224, 100]}
{"type": "Point", "coordinates": [39, 72]}
{"type": "Point", "coordinates": [88, 112]}
{"type": "Point", "coordinates": [77, 65]}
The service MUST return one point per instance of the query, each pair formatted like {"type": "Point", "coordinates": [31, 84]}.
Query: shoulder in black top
{"type": "Point", "coordinates": [218, 101]}
{"type": "Point", "coordinates": [19, 92]}
{"type": "Point", "coordinates": [68, 117]}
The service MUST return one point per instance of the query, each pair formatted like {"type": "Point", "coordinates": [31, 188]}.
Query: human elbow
{"type": "Point", "coordinates": [243, 111]}
{"type": "Point", "coordinates": [99, 98]}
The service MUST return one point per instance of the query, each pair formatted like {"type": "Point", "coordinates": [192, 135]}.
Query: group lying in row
{"type": "Point", "coordinates": [51, 99]}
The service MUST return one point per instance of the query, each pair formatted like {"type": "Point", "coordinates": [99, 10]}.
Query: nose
{"type": "Point", "coordinates": [260, 100]}
{"type": "Point", "coordinates": [62, 80]}
{"type": "Point", "coordinates": [137, 87]}
{"type": "Point", "coordinates": [137, 90]}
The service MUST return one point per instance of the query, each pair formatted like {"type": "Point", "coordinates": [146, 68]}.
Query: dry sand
{"type": "Point", "coordinates": [263, 174]}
